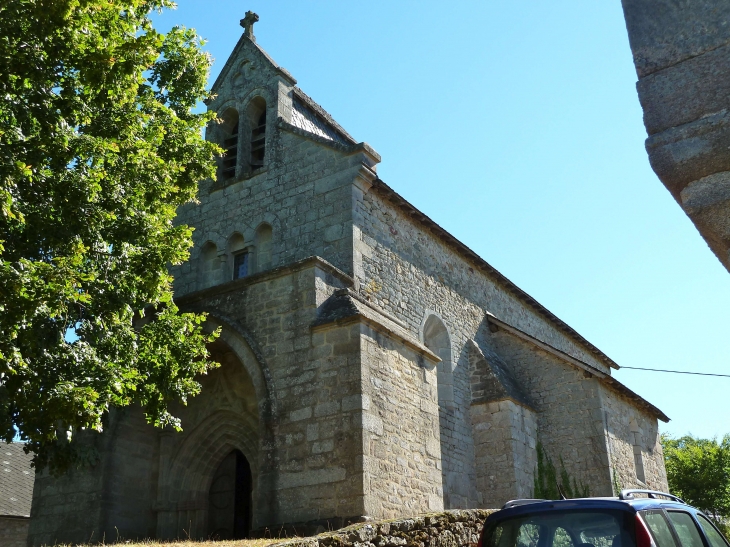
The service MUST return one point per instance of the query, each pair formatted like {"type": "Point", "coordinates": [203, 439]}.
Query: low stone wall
{"type": "Point", "coordinates": [457, 528]}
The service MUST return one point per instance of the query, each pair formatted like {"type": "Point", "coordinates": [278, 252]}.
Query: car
{"type": "Point", "coordinates": [657, 520]}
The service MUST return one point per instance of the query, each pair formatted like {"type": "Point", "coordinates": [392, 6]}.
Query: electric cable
{"type": "Point", "coordinates": [679, 372]}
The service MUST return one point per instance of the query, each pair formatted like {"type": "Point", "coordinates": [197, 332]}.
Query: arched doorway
{"type": "Point", "coordinates": [229, 498]}
{"type": "Point", "coordinates": [231, 414]}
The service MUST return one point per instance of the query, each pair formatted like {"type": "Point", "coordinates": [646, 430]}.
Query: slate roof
{"type": "Point", "coordinates": [497, 383]}
{"type": "Point", "coordinates": [311, 117]}
{"type": "Point", "coordinates": [16, 480]}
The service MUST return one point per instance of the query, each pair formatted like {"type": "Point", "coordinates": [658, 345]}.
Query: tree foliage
{"type": "Point", "coordinates": [698, 471]}
{"type": "Point", "coordinates": [549, 483]}
{"type": "Point", "coordinates": [99, 146]}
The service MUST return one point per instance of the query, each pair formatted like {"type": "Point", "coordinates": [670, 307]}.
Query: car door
{"type": "Point", "coordinates": [713, 536]}
{"type": "Point", "coordinates": [660, 528]}
{"type": "Point", "coordinates": [686, 529]}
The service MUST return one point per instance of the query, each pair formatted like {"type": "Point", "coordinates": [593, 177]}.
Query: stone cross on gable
{"type": "Point", "coordinates": [247, 23]}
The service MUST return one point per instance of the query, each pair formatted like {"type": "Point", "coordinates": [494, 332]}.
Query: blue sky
{"type": "Point", "coordinates": [516, 126]}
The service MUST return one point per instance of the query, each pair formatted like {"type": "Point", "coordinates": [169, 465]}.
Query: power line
{"type": "Point", "coordinates": [680, 372]}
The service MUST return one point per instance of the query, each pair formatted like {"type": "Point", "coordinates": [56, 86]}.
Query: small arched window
{"type": "Point", "coordinates": [240, 255]}
{"type": "Point", "coordinates": [437, 339]}
{"type": "Point", "coordinates": [263, 247]}
{"type": "Point", "coordinates": [257, 118]}
{"type": "Point", "coordinates": [229, 144]}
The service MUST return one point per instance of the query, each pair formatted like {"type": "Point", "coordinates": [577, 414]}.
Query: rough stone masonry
{"type": "Point", "coordinates": [372, 365]}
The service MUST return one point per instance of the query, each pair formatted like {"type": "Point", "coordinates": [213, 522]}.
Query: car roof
{"type": "Point", "coordinates": [524, 507]}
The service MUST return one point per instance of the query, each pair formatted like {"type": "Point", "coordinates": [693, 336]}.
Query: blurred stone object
{"type": "Point", "coordinates": [681, 52]}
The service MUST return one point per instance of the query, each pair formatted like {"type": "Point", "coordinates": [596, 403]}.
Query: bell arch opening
{"type": "Point", "coordinates": [230, 498]}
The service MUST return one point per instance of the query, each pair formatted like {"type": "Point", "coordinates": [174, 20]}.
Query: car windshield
{"type": "Point", "coordinates": [575, 528]}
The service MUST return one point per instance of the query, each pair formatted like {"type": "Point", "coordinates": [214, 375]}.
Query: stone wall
{"type": "Point", "coordinates": [505, 439]}
{"type": "Point", "coordinates": [14, 531]}
{"type": "Point", "coordinates": [633, 434]}
{"type": "Point", "coordinates": [402, 450]}
{"type": "Point", "coordinates": [308, 209]}
{"type": "Point", "coordinates": [682, 56]}
{"type": "Point", "coordinates": [68, 509]}
{"type": "Point", "coordinates": [568, 406]}
{"type": "Point", "coordinates": [458, 528]}
{"type": "Point", "coordinates": [402, 268]}
{"type": "Point", "coordinates": [310, 436]}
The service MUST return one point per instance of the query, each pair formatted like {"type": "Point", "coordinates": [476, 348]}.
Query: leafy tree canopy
{"type": "Point", "coordinates": [698, 471]}
{"type": "Point", "coordinates": [99, 145]}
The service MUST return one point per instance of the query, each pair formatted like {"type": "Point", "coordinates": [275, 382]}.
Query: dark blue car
{"type": "Point", "coordinates": [659, 520]}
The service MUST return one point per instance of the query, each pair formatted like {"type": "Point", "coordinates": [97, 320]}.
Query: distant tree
{"type": "Point", "coordinates": [698, 471]}
{"type": "Point", "coordinates": [99, 145]}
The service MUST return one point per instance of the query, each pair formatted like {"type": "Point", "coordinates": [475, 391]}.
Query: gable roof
{"type": "Point", "coordinates": [16, 480]}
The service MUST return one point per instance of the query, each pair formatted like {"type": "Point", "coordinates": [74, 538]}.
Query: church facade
{"type": "Point", "coordinates": [372, 366]}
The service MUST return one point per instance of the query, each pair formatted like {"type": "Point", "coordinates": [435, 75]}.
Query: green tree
{"type": "Point", "coordinates": [698, 471]}
{"type": "Point", "coordinates": [99, 146]}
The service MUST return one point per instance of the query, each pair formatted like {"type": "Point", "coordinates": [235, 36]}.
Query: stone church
{"type": "Point", "coordinates": [372, 366]}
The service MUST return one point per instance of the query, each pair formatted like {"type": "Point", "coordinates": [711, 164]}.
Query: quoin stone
{"type": "Point", "coordinates": [372, 366]}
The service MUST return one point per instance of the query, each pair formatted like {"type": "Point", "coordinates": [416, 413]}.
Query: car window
{"type": "Point", "coordinates": [573, 528]}
{"type": "Point", "coordinates": [528, 535]}
{"type": "Point", "coordinates": [561, 538]}
{"type": "Point", "coordinates": [712, 534]}
{"type": "Point", "coordinates": [684, 525]}
{"type": "Point", "coordinates": [659, 528]}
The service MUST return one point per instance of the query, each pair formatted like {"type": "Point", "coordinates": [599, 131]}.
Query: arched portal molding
{"type": "Point", "coordinates": [205, 448]}
{"type": "Point", "coordinates": [240, 341]}
{"type": "Point", "coordinates": [183, 501]}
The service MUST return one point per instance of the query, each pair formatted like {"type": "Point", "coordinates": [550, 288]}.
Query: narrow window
{"type": "Point", "coordinates": [240, 265]}
{"type": "Point", "coordinates": [240, 253]}
{"type": "Point", "coordinates": [258, 142]}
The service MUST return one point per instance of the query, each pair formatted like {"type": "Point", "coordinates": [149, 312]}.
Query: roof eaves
{"type": "Point", "coordinates": [602, 376]}
{"type": "Point", "coordinates": [482, 264]}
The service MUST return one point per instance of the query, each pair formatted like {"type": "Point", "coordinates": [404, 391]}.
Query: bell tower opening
{"type": "Point", "coordinates": [257, 118]}
{"type": "Point", "coordinates": [229, 498]}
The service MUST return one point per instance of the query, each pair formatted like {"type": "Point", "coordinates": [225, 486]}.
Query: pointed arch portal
{"type": "Point", "coordinates": [211, 483]}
